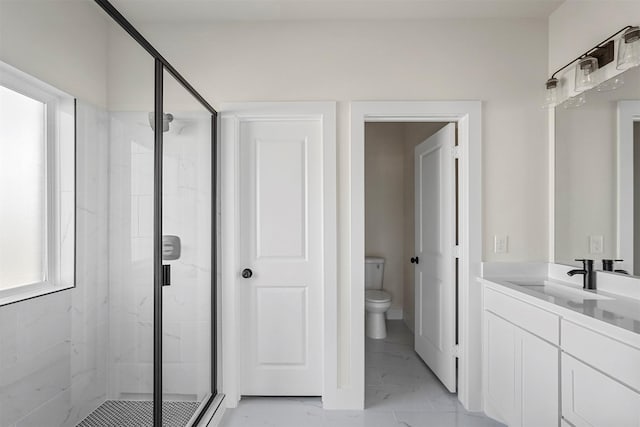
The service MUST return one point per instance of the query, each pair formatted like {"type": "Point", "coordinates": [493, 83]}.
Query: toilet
{"type": "Point", "coordinates": [376, 300]}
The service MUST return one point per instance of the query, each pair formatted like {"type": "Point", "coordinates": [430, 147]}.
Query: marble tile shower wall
{"type": "Point", "coordinates": [186, 210]}
{"type": "Point", "coordinates": [53, 364]}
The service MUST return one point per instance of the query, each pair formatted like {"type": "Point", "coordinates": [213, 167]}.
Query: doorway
{"type": "Point", "coordinates": [466, 114]}
{"type": "Point", "coordinates": [410, 230]}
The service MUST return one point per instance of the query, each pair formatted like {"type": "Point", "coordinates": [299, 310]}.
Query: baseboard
{"type": "Point", "coordinates": [394, 314]}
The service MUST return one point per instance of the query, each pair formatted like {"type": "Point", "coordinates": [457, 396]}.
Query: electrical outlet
{"type": "Point", "coordinates": [596, 244]}
{"type": "Point", "coordinates": [501, 244]}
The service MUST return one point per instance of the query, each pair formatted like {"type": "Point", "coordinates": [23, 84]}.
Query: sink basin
{"type": "Point", "coordinates": [556, 290]}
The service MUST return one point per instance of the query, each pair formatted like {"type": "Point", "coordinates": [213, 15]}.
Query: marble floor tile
{"type": "Point", "coordinates": [401, 391]}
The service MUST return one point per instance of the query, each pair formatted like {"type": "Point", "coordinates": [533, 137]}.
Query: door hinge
{"type": "Point", "coordinates": [456, 251]}
{"type": "Point", "coordinates": [456, 152]}
{"type": "Point", "coordinates": [456, 350]}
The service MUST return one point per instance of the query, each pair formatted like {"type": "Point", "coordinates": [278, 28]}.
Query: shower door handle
{"type": "Point", "coordinates": [166, 275]}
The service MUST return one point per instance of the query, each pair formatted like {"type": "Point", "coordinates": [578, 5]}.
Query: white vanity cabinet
{"type": "Point", "coordinates": [546, 366]}
{"type": "Point", "coordinates": [600, 379]}
{"type": "Point", "coordinates": [521, 369]}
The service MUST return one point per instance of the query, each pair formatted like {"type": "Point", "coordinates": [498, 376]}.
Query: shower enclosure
{"type": "Point", "coordinates": [133, 342]}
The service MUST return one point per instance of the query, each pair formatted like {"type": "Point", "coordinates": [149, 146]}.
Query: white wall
{"type": "Point", "coordinates": [501, 62]}
{"type": "Point", "coordinates": [384, 210]}
{"type": "Point", "coordinates": [578, 25]}
{"type": "Point", "coordinates": [53, 348]}
{"type": "Point", "coordinates": [62, 42]}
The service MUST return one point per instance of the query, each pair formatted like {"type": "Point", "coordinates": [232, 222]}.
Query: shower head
{"type": "Point", "coordinates": [166, 119]}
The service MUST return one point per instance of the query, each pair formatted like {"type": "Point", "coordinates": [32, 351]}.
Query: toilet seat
{"type": "Point", "coordinates": [375, 295]}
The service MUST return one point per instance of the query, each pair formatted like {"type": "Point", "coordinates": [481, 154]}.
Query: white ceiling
{"type": "Point", "coordinates": [192, 11]}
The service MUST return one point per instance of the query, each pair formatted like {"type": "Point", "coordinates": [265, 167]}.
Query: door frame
{"type": "Point", "coordinates": [628, 114]}
{"type": "Point", "coordinates": [231, 115]}
{"type": "Point", "coordinates": [467, 115]}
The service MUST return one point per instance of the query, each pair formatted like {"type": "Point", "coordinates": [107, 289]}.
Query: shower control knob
{"type": "Point", "coordinates": [247, 273]}
{"type": "Point", "coordinates": [415, 260]}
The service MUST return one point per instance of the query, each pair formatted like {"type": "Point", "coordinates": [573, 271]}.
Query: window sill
{"type": "Point", "coordinates": [27, 292]}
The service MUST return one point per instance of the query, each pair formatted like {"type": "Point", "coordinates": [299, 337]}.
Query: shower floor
{"type": "Point", "coordinates": [133, 413]}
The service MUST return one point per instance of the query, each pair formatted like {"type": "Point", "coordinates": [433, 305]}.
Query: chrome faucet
{"type": "Point", "coordinates": [589, 275]}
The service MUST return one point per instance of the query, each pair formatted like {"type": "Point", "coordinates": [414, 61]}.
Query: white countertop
{"type": "Point", "coordinates": [614, 309]}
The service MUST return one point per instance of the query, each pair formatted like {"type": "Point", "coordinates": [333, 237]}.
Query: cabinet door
{"type": "Point", "coordinates": [500, 386]}
{"type": "Point", "coordinates": [590, 398]}
{"type": "Point", "coordinates": [522, 376]}
{"type": "Point", "coordinates": [539, 398]}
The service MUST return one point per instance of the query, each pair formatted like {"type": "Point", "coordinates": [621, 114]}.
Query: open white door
{"type": "Point", "coordinates": [435, 242]}
{"type": "Point", "coordinates": [280, 277]}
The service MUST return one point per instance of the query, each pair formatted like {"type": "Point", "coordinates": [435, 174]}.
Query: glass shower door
{"type": "Point", "coordinates": [187, 298]}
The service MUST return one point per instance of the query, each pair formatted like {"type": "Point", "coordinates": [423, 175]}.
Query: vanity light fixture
{"type": "Point", "coordinates": [551, 97]}
{"type": "Point", "coordinates": [585, 70]}
{"type": "Point", "coordinates": [629, 49]}
{"type": "Point", "coordinates": [594, 59]}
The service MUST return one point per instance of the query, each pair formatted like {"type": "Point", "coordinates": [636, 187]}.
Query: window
{"type": "Point", "coordinates": [37, 187]}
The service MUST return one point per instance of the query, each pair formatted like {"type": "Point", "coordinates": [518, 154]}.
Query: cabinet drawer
{"type": "Point", "coordinates": [611, 356]}
{"type": "Point", "coordinates": [530, 318]}
{"type": "Point", "coordinates": [592, 399]}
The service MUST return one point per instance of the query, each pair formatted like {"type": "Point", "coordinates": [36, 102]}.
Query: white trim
{"type": "Point", "coordinates": [230, 116]}
{"type": "Point", "coordinates": [628, 113]}
{"type": "Point", "coordinates": [59, 147]}
{"type": "Point", "coordinates": [551, 130]}
{"type": "Point", "coordinates": [468, 116]}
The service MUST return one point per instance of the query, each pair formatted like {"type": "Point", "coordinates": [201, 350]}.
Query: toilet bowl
{"type": "Point", "coordinates": [376, 300]}
{"type": "Point", "coordinates": [376, 304]}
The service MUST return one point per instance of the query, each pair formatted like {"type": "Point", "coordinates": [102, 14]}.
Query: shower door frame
{"type": "Point", "coordinates": [161, 65]}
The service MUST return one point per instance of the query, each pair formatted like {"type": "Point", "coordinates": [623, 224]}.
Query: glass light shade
{"type": "Point", "coordinates": [585, 73]}
{"type": "Point", "coordinates": [629, 49]}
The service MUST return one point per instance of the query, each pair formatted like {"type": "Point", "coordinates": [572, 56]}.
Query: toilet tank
{"type": "Point", "coordinates": [373, 272]}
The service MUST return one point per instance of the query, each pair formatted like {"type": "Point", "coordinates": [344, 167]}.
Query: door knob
{"type": "Point", "coordinates": [247, 273]}
{"type": "Point", "coordinates": [415, 260]}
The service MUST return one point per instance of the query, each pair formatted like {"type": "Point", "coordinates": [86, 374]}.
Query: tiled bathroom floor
{"type": "Point", "coordinates": [400, 392]}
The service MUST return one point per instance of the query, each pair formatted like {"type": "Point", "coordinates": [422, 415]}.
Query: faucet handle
{"type": "Point", "coordinates": [587, 264]}
{"type": "Point", "coordinates": [608, 264]}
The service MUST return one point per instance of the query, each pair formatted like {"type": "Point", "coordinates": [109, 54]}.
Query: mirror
{"type": "Point", "coordinates": [597, 176]}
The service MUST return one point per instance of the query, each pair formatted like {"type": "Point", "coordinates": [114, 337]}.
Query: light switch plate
{"type": "Point", "coordinates": [501, 244]}
{"type": "Point", "coordinates": [596, 244]}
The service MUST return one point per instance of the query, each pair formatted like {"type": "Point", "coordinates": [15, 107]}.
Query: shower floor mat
{"type": "Point", "coordinates": [134, 413]}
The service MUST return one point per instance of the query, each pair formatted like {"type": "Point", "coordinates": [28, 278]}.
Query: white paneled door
{"type": "Point", "coordinates": [435, 243]}
{"type": "Point", "coordinates": [280, 283]}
